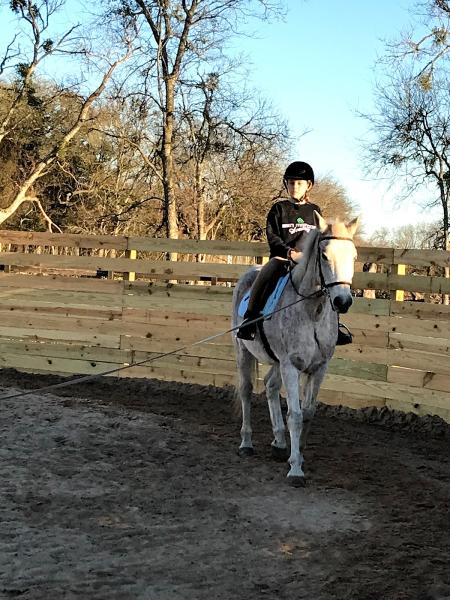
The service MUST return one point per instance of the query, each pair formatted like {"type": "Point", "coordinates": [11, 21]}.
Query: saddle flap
{"type": "Point", "coordinates": [272, 301]}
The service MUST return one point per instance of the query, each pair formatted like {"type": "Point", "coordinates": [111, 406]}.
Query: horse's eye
{"type": "Point", "coordinates": [324, 256]}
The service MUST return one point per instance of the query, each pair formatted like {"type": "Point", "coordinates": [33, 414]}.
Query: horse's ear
{"type": "Point", "coordinates": [353, 226]}
{"type": "Point", "coordinates": [320, 222]}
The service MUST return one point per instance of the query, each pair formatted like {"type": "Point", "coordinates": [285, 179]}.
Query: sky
{"type": "Point", "coordinates": [317, 67]}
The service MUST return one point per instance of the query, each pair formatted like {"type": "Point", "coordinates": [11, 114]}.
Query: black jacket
{"type": "Point", "coordinates": [286, 223]}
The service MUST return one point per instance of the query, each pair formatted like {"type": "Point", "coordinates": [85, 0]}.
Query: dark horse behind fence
{"type": "Point", "coordinates": [302, 335]}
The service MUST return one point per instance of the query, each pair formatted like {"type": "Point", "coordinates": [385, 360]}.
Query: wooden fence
{"type": "Point", "coordinates": [59, 316]}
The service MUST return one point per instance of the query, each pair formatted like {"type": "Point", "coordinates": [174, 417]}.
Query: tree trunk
{"type": "Point", "coordinates": [199, 196]}
{"type": "Point", "coordinates": [446, 297]}
{"type": "Point", "coordinates": [170, 205]}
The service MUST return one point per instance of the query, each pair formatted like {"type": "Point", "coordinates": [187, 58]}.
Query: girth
{"type": "Point", "coordinates": [265, 341]}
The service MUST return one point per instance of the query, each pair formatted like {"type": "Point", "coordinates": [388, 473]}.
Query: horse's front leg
{"type": "Point", "coordinates": [272, 382]}
{"type": "Point", "coordinates": [290, 376]}
{"type": "Point", "coordinates": [310, 386]}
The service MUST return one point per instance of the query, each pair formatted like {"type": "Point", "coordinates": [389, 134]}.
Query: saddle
{"type": "Point", "coordinates": [272, 300]}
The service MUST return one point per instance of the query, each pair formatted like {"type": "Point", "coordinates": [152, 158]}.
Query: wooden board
{"type": "Point", "coordinates": [405, 341]}
{"type": "Point", "coordinates": [215, 247]}
{"type": "Point", "coordinates": [14, 281]}
{"type": "Point", "coordinates": [181, 290]}
{"type": "Point", "coordinates": [381, 389]}
{"type": "Point", "coordinates": [412, 283]}
{"type": "Point", "coordinates": [154, 269]}
{"type": "Point", "coordinates": [188, 363]}
{"type": "Point", "coordinates": [207, 350]}
{"type": "Point", "coordinates": [54, 364]}
{"type": "Point", "coordinates": [351, 400]}
{"type": "Point", "coordinates": [410, 326]}
{"type": "Point", "coordinates": [358, 369]}
{"type": "Point", "coordinates": [49, 335]}
{"type": "Point", "coordinates": [203, 307]}
{"type": "Point", "coordinates": [419, 409]}
{"type": "Point", "coordinates": [419, 378]}
{"type": "Point", "coordinates": [60, 349]}
{"type": "Point", "coordinates": [401, 358]}
{"type": "Point", "coordinates": [396, 256]}
{"type": "Point", "coordinates": [168, 373]}
{"type": "Point", "coordinates": [26, 299]}
{"type": "Point", "coordinates": [421, 258]}
{"type": "Point", "coordinates": [370, 306]}
{"type": "Point", "coordinates": [420, 310]}
{"type": "Point", "coordinates": [72, 240]}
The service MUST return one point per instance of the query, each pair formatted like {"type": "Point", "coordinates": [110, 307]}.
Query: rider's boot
{"type": "Point", "coordinates": [344, 335]}
{"type": "Point", "coordinates": [247, 329]}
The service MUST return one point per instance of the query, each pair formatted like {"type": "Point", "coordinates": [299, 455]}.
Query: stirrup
{"type": "Point", "coordinates": [345, 336]}
{"type": "Point", "coordinates": [247, 330]}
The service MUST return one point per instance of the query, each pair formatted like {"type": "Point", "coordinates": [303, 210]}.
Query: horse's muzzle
{"type": "Point", "coordinates": [342, 303]}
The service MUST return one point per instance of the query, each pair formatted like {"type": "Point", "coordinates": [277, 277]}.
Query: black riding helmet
{"type": "Point", "coordinates": [299, 170]}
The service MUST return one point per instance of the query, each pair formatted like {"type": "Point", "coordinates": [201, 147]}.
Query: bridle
{"type": "Point", "coordinates": [324, 286]}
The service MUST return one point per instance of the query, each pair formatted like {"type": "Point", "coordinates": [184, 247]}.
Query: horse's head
{"type": "Point", "coordinates": [337, 254]}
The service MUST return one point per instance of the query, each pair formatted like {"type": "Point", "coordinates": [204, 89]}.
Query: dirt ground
{"type": "Point", "coordinates": [134, 490]}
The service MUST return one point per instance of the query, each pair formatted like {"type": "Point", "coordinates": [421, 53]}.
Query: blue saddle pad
{"type": "Point", "coordinates": [271, 301]}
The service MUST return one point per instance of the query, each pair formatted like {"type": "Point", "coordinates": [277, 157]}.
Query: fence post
{"type": "Point", "coordinates": [400, 294]}
{"type": "Point", "coordinates": [369, 268]}
{"type": "Point", "coordinates": [130, 276]}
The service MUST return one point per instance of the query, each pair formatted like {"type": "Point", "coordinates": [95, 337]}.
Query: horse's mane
{"type": "Point", "coordinates": [308, 251]}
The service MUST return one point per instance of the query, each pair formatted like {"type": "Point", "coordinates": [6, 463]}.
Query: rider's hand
{"type": "Point", "coordinates": [294, 255]}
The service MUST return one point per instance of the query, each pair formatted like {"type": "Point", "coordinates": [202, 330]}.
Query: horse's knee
{"type": "Point", "coordinates": [295, 419]}
{"type": "Point", "coordinates": [245, 389]}
{"type": "Point", "coordinates": [298, 361]}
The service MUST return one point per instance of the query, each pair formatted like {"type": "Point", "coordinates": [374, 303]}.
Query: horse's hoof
{"type": "Point", "coordinates": [280, 454]}
{"type": "Point", "coordinates": [297, 481]}
{"type": "Point", "coordinates": [246, 451]}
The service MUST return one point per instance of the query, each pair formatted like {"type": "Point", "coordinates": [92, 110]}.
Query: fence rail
{"type": "Point", "coordinates": [58, 316]}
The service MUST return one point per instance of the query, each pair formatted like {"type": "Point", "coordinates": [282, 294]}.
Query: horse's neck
{"type": "Point", "coordinates": [305, 275]}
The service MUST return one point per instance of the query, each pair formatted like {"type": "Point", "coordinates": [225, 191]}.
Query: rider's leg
{"type": "Point", "coordinates": [261, 290]}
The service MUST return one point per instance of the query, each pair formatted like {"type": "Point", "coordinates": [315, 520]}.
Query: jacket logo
{"type": "Point", "coordinates": [301, 227]}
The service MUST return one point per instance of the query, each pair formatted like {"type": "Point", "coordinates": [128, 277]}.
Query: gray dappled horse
{"type": "Point", "coordinates": [302, 337]}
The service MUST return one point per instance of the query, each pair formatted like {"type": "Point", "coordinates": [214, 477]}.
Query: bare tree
{"type": "Point", "coordinates": [23, 91]}
{"type": "Point", "coordinates": [412, 139]}
{"type": "Point", "coordinates": [221, 125]}
{"type": "Point", "coordinates": [412, 122]}
{"type": "Point", "coordinates": [332, 199]}
{"type": "Point", "coordinates": [177, 38]}
{"type": "Point", "coordinates": [37, 19]}
{"type": "Point", "coordinates": [428, 53]}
